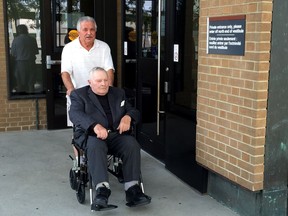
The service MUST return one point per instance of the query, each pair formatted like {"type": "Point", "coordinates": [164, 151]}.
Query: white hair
{"type": "Point", "coordinates": [85, 19]}
{"type": "Point", "coordinates": [95, 70]}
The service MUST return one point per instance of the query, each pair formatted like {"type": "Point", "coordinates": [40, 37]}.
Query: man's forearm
{"type": "Point", "coordinates": [111, 77]}
{"type": "Point", "coordinates": [67, 82]}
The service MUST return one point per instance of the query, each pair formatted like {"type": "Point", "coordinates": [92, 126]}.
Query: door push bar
{"type": "Point", "coordinates": [50, 62]}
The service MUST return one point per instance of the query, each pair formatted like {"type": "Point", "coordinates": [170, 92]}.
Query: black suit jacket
{"type": "Point", "coordinates": [86, 110]}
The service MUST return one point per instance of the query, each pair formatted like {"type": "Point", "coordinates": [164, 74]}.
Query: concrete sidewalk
{"type": "Point", "coordinates": [34, 168]}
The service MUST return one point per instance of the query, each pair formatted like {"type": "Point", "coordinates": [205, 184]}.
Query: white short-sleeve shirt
{"type": "Point", "coordinates": [77, 61]}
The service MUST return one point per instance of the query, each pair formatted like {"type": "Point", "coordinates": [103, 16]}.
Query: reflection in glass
{"type": "Point", "coordinates": [23, 51]}
{"type": "Point", "coordinates": [25, 71]}
{"type": "Point", "coordinates": [149, 29]}
{"type": "Point", "coordinates": [130, 41]}
{"type": "Point", "coordinates": [67, 15]}
{"type": "Point", "coordinates": [186, 36]}
{"type": "Point", "coordinates": [130, 36]}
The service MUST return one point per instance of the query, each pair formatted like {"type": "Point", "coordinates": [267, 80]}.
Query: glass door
{"type": "Point", "coordinates": [163, 72]}
{"type": "Point", "coordinates": [150, 95]}
{"type": "Point", "coordinates": [180, 89]}
{"type": "Point", "coordinates": [141, 71]}
{"type": "Point", "coordinates": [60, 28]}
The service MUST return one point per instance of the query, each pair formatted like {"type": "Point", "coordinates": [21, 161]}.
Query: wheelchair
{"type": "Point", "coordinates": [79, 176]}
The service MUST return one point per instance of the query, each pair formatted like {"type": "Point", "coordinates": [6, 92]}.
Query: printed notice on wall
{"type": "Point", "coordinates": [226, 35]}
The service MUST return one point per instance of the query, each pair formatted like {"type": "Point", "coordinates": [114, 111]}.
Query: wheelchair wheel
{"type": "Point", "coordinates": [73, 179]}
{"type": "Point", "coordinates": [81, 193]}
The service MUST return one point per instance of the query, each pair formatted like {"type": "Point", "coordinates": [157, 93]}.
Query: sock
{"type": "Point", "coordinates": [103, 184]}
{"type": "Point", "coordinates": [82, 158]}
{"type": "Point", "coordinates": [129, 184]}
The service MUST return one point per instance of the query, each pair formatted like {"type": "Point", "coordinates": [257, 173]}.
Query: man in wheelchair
{"type": "Point", "coordinates": [104, 116]}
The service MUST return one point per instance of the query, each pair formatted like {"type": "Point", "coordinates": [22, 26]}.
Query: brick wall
{"type": "Point", "coordinates": [232, 96]}
{"type": "Point", "coordinates": [16, 114]}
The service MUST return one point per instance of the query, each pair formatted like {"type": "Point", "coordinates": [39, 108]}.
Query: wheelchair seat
{"type": "Point", "coordinates": [78, 174]}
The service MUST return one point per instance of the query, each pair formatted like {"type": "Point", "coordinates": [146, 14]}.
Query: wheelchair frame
{"type": "Point", "coordinates": [79, 175]}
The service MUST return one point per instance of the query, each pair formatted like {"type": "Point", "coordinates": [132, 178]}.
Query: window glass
{"type": "Point", "coordinates": [130, 42]}
{"type": "Point", "coordinates": [67, 14]}
{"type": "Point", "coordinates": [149, 29]}
{"type": "Point", "coordinates": [24, 44]}
{"type": "Point", "coordinates": [186, 37]}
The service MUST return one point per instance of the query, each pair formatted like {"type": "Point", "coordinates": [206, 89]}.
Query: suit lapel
{"type": "Point", "coordinates": [112, 104]}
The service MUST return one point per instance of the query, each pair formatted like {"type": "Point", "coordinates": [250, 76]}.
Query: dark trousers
{"type": "Point", "coordinates": [123, 146]}
{"type": "Point", "coordinates": [24, 74]}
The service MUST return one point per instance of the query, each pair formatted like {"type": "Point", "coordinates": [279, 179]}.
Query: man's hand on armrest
{"type": "Point", "coordinates": [125, 124]}
{"type": "Point", "coordinates": [100, 131]}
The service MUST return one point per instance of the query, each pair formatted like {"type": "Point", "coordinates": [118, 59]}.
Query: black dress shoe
{"type": "Point", "coordinates": [135, 197]}
{"type": "Point", "coordinates": [101, 198]}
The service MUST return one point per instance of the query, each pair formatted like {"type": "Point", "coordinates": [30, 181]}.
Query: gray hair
{"type": "Point", "coordinates": [85, 19]}
{"type": "Point", "coordinates": [95, 70]}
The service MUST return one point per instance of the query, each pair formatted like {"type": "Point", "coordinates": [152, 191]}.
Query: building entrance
{"type": "Point", "coordinates": [159, 69]}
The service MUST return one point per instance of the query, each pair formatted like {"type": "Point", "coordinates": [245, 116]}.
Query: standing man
{"type": "Point", "coordinates": [81, 55]}
{"type": "Point", "coordinates": [84, 53]}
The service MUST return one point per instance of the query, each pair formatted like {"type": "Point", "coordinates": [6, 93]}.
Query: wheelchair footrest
{"type": "Point", "coordinates": [102, 208]}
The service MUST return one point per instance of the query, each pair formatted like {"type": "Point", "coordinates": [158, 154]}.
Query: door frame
{"type": "Point", "coordinates": [47, 42]}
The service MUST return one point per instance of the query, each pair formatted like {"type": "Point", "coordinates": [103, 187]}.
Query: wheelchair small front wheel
{"type": "Point", "coordinates": [81, 193]}
{"type": "Point", "coordinates": [73, 179]}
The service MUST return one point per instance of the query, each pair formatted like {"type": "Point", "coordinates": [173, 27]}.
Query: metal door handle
{"type": "Point", "coordinates": [166, 87]}
{"type": "Point", "coordinates": [130, 60]}
{"type": "Point", "coordinates": [158, 71]}
{"type": "Point", "coordinates": [50, 62]}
